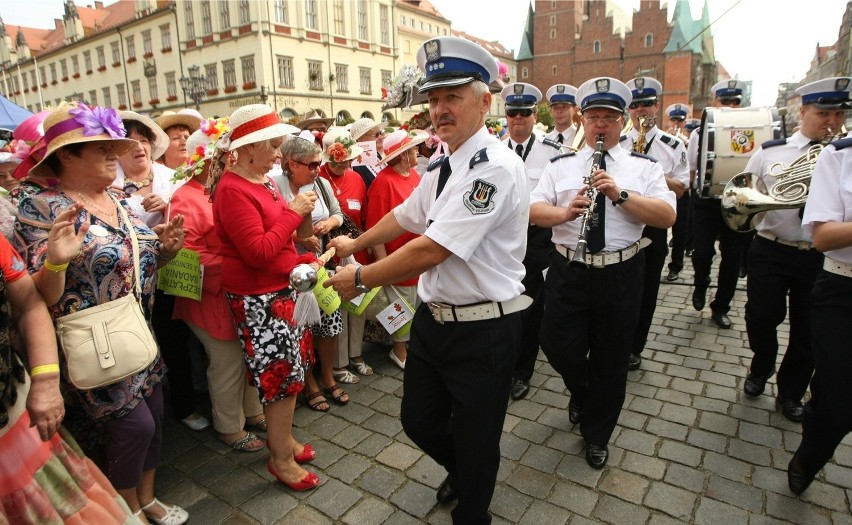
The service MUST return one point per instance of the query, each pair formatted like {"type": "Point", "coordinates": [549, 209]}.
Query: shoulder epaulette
{"type": "Point", "coordinates": [671, 140]}
{"type": "Point", "coordinates": [479, 156]}
{"type": "Point", "coordinates": [622, 138]}
{"type": "Point", "coordinates": [435, 163]}
{"type": "Point", "coordinates": [842, 143]}
{"type": "Point", "coordinates": [773, 143]}
{"type": "Point", "coordinates": [569, 154]}
{"type": "Point", "coordinates": [643, 156]}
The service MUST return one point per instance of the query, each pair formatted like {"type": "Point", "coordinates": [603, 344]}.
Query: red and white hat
{"type": "Point", "coordinates": [401, 141]}
{"type": "Point", "coordinates": [254, 123]}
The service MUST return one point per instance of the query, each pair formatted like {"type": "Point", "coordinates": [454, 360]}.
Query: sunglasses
{"type": "Point", "coordinates": [729, 101]}
{"type": "Point", "coordinates": [313, 166]}
{"type": "Point", "coordinates": [643, 103]}
{"type": "Point", "coordinates": [515, 112]}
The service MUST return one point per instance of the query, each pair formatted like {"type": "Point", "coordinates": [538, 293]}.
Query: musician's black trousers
{"type": "Point", "coordinates": [586, 334]}
{"type": "Point", "coordinates": [774, 270]}
{"type": "Point", "coordinates": [539, 252]}
{"type": "Point", "coordinates": [679, 233]}
{"type": "Point", "coordinates": [828, 414]}
{"type": "Point", "coordinates": [655, 259]}
{"type": "Point", "coordinates": [457, 380]}
{"type": "Point", "coordinates": [707, 225]}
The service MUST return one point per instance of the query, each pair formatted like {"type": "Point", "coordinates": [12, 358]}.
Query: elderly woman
{"type": "Point", "coordinates": [149, 187]}
{"type": "Point", "coordinates": [351, 194]}
{"type": "Point", "coordinates": [177, 126]}
{"type": "Point", "coordinates": [235, 403]}
{"type": "Point", "coordinates": [301, 165]}
{"type": "Point", "coordinates": [392, 186]}
{"type": "Point", "coordinates": [367, 130]}
{"type": "Point", "coordinates": [255, 225]}
{"type": "Point", "coordinates": [96, 265]}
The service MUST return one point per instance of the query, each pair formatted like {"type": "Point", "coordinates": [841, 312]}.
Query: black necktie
{"type": "Point", "coordinates": [519, 150]}
{"type": "Point", "coordinates": [559, 138]}
{"type": "Point", "coordinates": [443, 176]}
{"type": "Point", "coordinates": [596, 237]}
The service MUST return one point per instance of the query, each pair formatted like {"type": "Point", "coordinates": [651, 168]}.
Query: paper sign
{"type": "Point", "coordinates": [396, 318]}
{"type": "Point", "coordinates": [360, 303]}
{"type": "Point", "coordinates": [369, 157]}
{"type": "Point", "coordinates": [327, 298]}
{"type": "Point", "coordinates": [182, 276]}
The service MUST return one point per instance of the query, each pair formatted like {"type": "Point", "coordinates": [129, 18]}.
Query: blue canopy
{"type": "Point", "coordinates": [11, 114]}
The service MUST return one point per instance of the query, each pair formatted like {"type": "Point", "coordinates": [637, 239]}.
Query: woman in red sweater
{"type": "Point", "coordinates": [255, 225]}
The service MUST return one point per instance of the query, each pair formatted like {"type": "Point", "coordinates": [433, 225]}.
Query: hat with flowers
{"type": "Point", "coordinates": [339, 146]}
{"type": "Point", "coordinates": [201, 144]}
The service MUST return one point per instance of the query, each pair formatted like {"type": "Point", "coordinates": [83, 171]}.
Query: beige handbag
{"type": "Point", "coordinates": [106, 343]}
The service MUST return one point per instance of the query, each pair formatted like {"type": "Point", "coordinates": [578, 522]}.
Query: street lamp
{"type": "Point", "coordinates": [264, 94]}
{"type": "Point", "coordinates": [195, 85]}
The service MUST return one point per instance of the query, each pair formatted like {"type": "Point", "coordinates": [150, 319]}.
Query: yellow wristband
{"type": "Point", "coordinates": [55, 267]}
{"type": "Point", "coordinates": [44, 369]}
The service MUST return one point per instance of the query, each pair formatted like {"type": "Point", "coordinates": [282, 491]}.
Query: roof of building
{"type": "Point", "coordinates": [423, 5]}
{"type": "Point", "coordinates": [525, 52]}
{"type": "Point", "coordinates": [495, 48]}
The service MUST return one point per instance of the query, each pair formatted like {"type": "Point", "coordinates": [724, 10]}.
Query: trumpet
{"type": "Point", "coordinates": [579, 258]}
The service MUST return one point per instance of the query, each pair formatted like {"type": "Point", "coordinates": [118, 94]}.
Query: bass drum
{"type": "Point", "coordinates": [729, 136]}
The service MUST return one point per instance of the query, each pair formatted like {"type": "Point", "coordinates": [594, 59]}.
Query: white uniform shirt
{"type": "Point", "coordinates": [830, 196]}
{"type": "Point", "coordinates": [784, 224]}
{"type": "Point", "coordinates": [568, 136]}
{"type": "Point", "coordinates": [666, 149]}
{"type": "Point", "coordinates": [537, 159]}
{"type": "Point", "coordinates": [481, 217]}
{"type": "Point", "coordinates": [692, 150]}
{"type": "Point", "coordinates": [563, 179]}
{"type": "Point", "coordinates": [162, 185]}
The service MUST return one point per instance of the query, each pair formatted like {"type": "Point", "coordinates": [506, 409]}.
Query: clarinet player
{"type": "Point", "coordinates": [593, 303]}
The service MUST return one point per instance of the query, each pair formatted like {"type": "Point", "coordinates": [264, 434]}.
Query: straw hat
{"type": "Point", "coordinates": [338, 146]}
{"type": "Point", "coordinates": [161, 140]}
{"type": "Point", "coordinates": [254, 123]}
{"type": "Point", "coordinates": [362, 126]}
{"type": "Point", "coordinates": [312, 118]}
{"type": "Point", "coordinates": [74, 123]}
{"type": "Point", "coordinates": [185, 117]}
{"type": "Point", "coordinates": [201, 145]}
{"type": "Point", "coordinates": [401, 141]}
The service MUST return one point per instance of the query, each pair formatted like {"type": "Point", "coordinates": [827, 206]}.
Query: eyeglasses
{"type": "Point", "coordinates": [313, 166]}
{"type": "Point", "coordinates": [729, 101]}
{"type": "Point", "coordinates": [515, 112]}
{"type": "Point", "coordinates": [643, 103]}
{"type": "Point", "coordinates": [609, 119]}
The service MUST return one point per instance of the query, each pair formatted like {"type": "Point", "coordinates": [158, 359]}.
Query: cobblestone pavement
{"type": "Point", "coordinates": [689, 448]}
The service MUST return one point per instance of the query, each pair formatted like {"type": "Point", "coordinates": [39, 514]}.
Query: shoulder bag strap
{"type": "Point", "coordinates": [134, 245]}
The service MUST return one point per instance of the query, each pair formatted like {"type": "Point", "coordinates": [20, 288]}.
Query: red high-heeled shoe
{"type": "Point", "coordinates": [310, 480]}
{"type": "Point", "coordinates": [308, 453]}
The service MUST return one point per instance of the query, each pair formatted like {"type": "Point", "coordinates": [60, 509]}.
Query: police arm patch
{"type": "Point", "coordinates": [480, 198]}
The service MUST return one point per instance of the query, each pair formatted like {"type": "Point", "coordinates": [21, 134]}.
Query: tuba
{"type": "Point", "coordinates": [746, 198]}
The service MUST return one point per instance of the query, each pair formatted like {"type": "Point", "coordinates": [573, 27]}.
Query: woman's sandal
{"type": "Point", "coordinates": [259, 425]}
{"type": "Point", "coordinates": [362, 368]}
{"type": "Point", "coordinates": [308, 454]}
{"type": "Point", "coordinates": [345, 376]}
{"type": "Point", "coordinates": [244, 444]}
{"type": "Point", "coordinates": [174, 514]}
{"type": "Point", "coordinates": [316, 400]}
{"type": "Point", "coordinates": [336, 398]}
{"type": "Point", "coordinates": [310, 480]}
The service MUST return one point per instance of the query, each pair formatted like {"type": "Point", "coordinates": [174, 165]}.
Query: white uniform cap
{"type": "Point", "coordinates": [728, 89]}
{"type": "Point", "coordinates": [452, 61]}
{"type": "Point", "coordinates": [605, 92]}
{"type": "Point", "coordinates": [677, 111]}
{"type": "Point", "coordinates": [561, 93]}
{"type": "Point", "coordinates": [520, 95]}
{"type": "Point", "coordinates": [828, 93]}
{"type": "Point", "coordinates": [644, 88]}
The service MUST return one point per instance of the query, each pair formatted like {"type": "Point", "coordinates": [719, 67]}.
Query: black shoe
{"type": "Point", "coordinates": [797, 479]}
{"type": "Point", "coordinates": [672, 276]}
{"type": "Point", "coordinates": [792, 409]}
{"type": "Point", "coordinates": [699, 298]}
{"type": "Point", "coordinates": [520, 388]}
{"type": "Point", "coordinates": [633, 361]}
{"type": "Point", "coordinates": [448, 491]}
{"type": "Point", "coordinates": [596, 455]}
{"type": "Point", "coordinates": [755, 384]}
{"type": "Point", "coordinates": [575, 413]}
{"type": "Point", "coordinates": [742, 272]}
{"type": "Point", "coordinates": [721, 320]}
{"type": "Point", "coordinates": [689, 253]}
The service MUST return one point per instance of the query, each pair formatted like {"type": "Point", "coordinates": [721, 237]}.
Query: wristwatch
{"type": "Point", "coordinates": [623, 196]}
{"type": "Point", "coordinates": [358, 284]}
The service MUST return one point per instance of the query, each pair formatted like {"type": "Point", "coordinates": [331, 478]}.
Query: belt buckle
{"type": "Point", "coordinates": [435, 309]}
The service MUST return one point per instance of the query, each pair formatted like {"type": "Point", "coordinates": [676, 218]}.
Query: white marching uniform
{"type": "Point", "coordinates": [537, 157]}
{"type": "Point", "coordinates": [830, 195]}
{"type": "Point", "coordinates": [568, 136]}
{"type": "Point", "coordinates": [666, 149]}
{"type": "Point", "coordinates": [692, 150]}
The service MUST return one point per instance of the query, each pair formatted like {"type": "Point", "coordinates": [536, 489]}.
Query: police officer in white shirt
{"type": "Point", "coordinates": [591, 313]}
{"type": "Point", "coordinates": [471, 210]}
{"type": "Point", "coordinates": [670, 152]}
{"type": "Point", "coordinates": [782, 260]}
{"type": "Point", "coordinates": [563, 108]}
{"type": "Point", "coordinates": [828, 414]}
{"type": "Point", "coordinates": [521, 100]}
{"type": "Point", "coordinates": [677, 114]}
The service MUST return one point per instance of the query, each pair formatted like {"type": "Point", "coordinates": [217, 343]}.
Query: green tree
{"type": "Point", "coordinates": [543, 115]}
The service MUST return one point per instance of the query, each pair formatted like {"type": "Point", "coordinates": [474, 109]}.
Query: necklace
{"type": "Point", "coordinates": [269, 185]}
{"type": "Point", "coordinates": [132, 186]}
{"type": "Point", "coordinates": [88, 203]}
{"type": "Point", "coordinates": [336, 188]}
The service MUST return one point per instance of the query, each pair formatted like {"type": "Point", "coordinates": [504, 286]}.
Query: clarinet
{"type": "Point", "coordinates": [579, 258]}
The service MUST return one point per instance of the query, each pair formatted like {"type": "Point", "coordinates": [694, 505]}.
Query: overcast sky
{"type": "Point", "coordinates": [766, 41]}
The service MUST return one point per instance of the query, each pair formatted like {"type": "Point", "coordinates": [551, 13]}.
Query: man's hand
{"type": "Point", "coordinates": [344, 282]}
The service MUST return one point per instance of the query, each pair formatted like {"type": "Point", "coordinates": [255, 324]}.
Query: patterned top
{"type": "Point", "coordinates": [11, 372]}
{"type": "Point", "coordinates": [103, 271]}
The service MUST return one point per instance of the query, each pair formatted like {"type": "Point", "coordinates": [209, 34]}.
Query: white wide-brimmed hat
{"type": "Point", "coordinates": [161, 140]}
{"type": "Point", "coordinates": [401, 141]}
{"type": "Point", "coordinates": [186, 117]}
{"type": "Point", "coordinates": [361, 126]}
{"type": "Point", "coordinates": [254, 123]}
{"type": "Point", "coordinates": [339, 146]}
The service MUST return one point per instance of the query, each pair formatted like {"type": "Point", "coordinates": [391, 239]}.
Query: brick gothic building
{"type": "Point", "coordinates": [573, 41]}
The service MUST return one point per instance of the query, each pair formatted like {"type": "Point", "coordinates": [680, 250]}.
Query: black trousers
{"type": "Point", "coordinates": [707, 225]}
{"type": "Point", "coordinates": [679, 233]}
{"type": "Point", "coordinates": [173, 339]}
{"type": "Point", "coordinates": [655, 259]}
{"type": "Point", "coordinates": [539, 252]}
{"type": "Point", "coordinates": [828, 414]}
{"type": "Point", "coordinates": [456, 385]}
{"type": "Point", "coordinates": [586, 334]}
{"type": "Point", "coordinates": [774, 270]}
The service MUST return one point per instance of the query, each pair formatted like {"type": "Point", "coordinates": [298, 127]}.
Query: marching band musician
{"type": "Point", "coordinates": [670, 153]}
{"type": "Point", "coordinates": [707, 225]}
{"type": "Point", "coordinates": [563, 109]}
{"type": "Point", "coordinates": [677, 114]}
{"type": "Point", "coordinates": [521, 100]}
{"type": "Point", "coordinates": [782, 260]}
{"type": "Point", "coordinates": [828, 414]}
{"type": "Point", "coordinates": [591, 312]}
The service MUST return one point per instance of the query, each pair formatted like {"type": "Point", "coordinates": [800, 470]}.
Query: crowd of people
{"type": "Point", "coordinates": [495, 249]}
